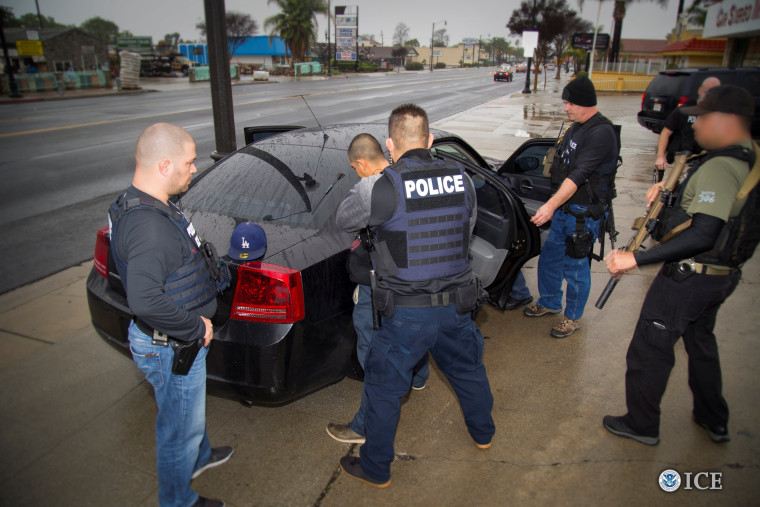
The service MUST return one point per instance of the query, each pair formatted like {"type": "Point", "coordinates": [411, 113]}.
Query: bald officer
{"type": "Point", "coordinates": [172, 293]}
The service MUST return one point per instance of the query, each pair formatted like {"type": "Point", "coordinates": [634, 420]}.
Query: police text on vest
{"type": "Point", "coordinates": [428, 187]}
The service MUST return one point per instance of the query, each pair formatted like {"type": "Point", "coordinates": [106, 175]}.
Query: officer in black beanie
{"type": "Point", "coordinates": [582, 177]}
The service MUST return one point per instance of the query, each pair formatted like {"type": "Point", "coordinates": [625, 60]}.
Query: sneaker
{"type": "Point", "coordinates": [566, 328]}
{"type": "Point", "coordinates": [617, 426]}
{"type": "Point", "coordinates": [208, 502]}
{"type": "Point", "coordinates": [538, 311]}
{"type": "Point", "coordinates": [343, 433]}
{"type": "Point", "coordinates": [483, 446]}
{"type": "Point", "coordinates": [351, 467]}
{"type": "Point", "coordinates": [219, 456]}
{"type": "Point", "coordinates": [420, 388]}
{"type": "Point", "coordinates": [514, 304]}
{"type": "Point", "coordinates": [718, 434]}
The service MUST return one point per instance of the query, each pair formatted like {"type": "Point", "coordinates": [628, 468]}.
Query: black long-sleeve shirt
{"type": "Point", "coordinates": [153, 249]}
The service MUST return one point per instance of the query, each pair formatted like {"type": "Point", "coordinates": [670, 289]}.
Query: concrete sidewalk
{"type": "Point", "coordinates": [78, 418]}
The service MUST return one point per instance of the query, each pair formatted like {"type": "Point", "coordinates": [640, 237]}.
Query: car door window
{"type": "Point", "coordinates": [751, 82]}
{"type": "Point", "coordinates": [531, 161]}
{"type": "Point", "coordinates": [454, 150]}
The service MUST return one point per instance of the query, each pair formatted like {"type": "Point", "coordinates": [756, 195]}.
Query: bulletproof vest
{"type": "Point", "coordinates": [192, 285]}
{"type": "Point", "coordinates": [428, 236]}
{"type": "Point", "coordinates": [741, 234]}
{"type": "Point", "coordinates": [600, 186]}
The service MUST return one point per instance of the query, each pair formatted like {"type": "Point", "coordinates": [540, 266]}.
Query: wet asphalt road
{"type": "Point", "coordinates": [64, 161]}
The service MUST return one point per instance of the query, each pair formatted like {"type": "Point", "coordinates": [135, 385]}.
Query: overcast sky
{"type": "Point", "coordinates": [471, 18]}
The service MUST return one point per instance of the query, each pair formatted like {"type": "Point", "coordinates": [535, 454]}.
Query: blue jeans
{"type": "Point", "coordinates": [364, 334]}
{"type": "Point", "coordinates": [554, 266]}
{"type": "Point", "coordinates": [404, 339]}
{"type": "Point", "coordinates": [182, 444]}
{"type": "Point", "coordinates": [520, 288]}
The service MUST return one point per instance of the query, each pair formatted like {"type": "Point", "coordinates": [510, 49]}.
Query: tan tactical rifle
{"type": "Point", "coordinates": [645, 225]}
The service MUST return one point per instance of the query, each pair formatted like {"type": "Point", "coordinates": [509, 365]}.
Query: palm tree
{"type": "Point", "coordinates": [296, 25]}
{"type": "Point", "coordinates": [618, 14]}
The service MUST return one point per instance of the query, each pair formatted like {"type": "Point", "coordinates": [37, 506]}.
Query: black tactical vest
{"type": "Point", "coordinates": [192, 285]}
{"type": "Point", "coordinates": [600, 187]}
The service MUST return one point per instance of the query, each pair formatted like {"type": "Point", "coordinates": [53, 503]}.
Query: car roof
{"type": "Point", "coordinates": [339, 135]}
{"type": "Point", "coordinates": [691, 70]}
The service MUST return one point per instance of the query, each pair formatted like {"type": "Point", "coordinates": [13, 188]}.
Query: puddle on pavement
{"type": "Point", "coordinates": [525, 133]}
{"type": "Point", "coordinates": [530, 111]}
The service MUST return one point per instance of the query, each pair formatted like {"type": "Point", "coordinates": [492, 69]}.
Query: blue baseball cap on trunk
{"type": "Point", "coordinates": [248, 242]}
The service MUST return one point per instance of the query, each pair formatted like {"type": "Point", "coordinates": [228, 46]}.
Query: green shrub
{"type": "Point", "coordinates": [440, 65]}
{"type": "Point", "coordinates": [414, 66]}
{"type": "Point", "coordinates": [367, 67]}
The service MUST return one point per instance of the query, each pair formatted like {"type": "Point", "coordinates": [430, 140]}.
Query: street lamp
{"type": "Point", "coordinates": [536, 21]}
{"type": "Point", "coordinates": [432, 40]}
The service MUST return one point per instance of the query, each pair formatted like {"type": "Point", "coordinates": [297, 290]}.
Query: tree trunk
{"type": "Point", "coordinates": [618, 14]}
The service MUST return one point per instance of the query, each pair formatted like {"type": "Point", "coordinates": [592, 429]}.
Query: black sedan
{"type": "Point", "coordinates": [504, 73]}
{"type": "Point", "coordinates": [283, 329]}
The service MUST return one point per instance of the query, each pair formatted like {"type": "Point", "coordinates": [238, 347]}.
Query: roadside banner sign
{"type": "Point", "coordinates": [29, 47]}
{"type": "Point", "coordinates": [529, 42]}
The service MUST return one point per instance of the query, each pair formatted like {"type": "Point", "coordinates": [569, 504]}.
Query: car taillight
{"type": "Point", "coordinates": [682, 100]}
{"type": "Point", "coordinates": [101, 251]}
{"type": "Point", "coordinates": [643, 96]}
{"type": "Point", "coordinates": [268, 293]}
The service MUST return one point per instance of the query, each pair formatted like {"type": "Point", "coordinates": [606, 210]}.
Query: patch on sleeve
{"type": "Point", "coordinates": [706, 196]}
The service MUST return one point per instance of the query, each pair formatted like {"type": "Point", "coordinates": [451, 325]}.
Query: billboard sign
{"type": "Point", "coordinates": [586, 40]}
{"type": "Point", "coordinates": [346, 33]}
{"type": "Point", "coordinates": [733, 18]}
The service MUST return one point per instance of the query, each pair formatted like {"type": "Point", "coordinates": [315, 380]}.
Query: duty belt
{"type": "Point", "coordinates": [426, 300]}
{"type": "Point", "coordinates": [704, 269]}
{"type": "Point", "coordinates": [157, 337]}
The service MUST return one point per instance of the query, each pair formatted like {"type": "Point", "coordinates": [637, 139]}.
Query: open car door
{"type": "Point", "coordinates": [524, 170]}
{"type": "Point", "coordinates": [503, 239]}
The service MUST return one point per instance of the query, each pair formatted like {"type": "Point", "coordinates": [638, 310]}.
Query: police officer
{"type": "Point", "coordinates": [422, 213]}
{"type": "Point", "coordinates": [172, 293]}
{"type": "Point", "coordinates": [366, 157]}
{"type": "Point", "coordinates": [702, 268]}
{"type": "Point", "coordinates": [677, 132]}
{"type": "Point", "coordinates": [582, 176]}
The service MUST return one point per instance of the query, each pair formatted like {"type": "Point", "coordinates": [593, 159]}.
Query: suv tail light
{"type": "Point", "coordinates": [268, 293]}
{"type": "Point", "coordinates": [682, 100]}
{"type": "Point", "coordinates": [101, 251]}
{"type": "Point", "coordinates": [643, 96]}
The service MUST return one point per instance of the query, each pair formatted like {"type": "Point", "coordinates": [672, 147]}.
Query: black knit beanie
{"type": "Point", "coordinates": [580, 91]}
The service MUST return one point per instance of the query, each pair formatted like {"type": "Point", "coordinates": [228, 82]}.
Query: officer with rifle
{"type": "Point", "coordinates": [709, 229]}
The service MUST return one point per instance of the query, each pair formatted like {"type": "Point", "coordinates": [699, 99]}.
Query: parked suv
{"type": "Point", "coordinates": [672, 88]}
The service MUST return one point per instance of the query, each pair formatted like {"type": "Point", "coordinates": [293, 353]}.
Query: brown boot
{"type": "Point", "coordinates": [566, 328]}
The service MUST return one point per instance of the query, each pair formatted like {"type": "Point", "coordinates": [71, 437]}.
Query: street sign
{"type": "Point", "coordinates": [529, 42]}
{"type": "Point", "coordinates": [586, 40]}
{"type": "Point", "coordinates": [438, 52]}
{"type": "Point", "coordinates": [134, 43]}
{"type": "Point", "coordinates": [29, 47]}
{"type": "Point", "coordinates": [469, 40]}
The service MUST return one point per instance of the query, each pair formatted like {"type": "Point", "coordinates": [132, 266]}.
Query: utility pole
{"type": "Point", "coordinates": [432, 42]}
{"type": "Point", "coordinates": [221, 89]}
{"type": "Point", "coordinates": [356, 64]}
{"type": "Point", "coordinates": [329, 51]}
{"type": "Point", "coordinates": [39, 15]}
{"type": "Point", "coordinates": [12, 84]}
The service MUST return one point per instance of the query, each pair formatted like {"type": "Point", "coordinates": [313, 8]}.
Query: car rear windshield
{"type": "Point", "coordinates": [667, 84]}
{"type": "Point", "coordinates": [275, 182]}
